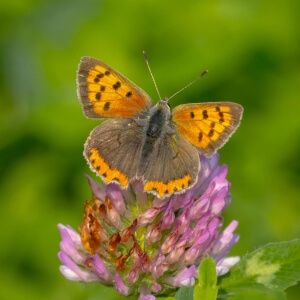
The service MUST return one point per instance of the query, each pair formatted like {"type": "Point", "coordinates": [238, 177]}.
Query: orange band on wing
{"type": "Point", "coordinates": [105, 171]}
{"type": "Point", "coordinates": [170, 187]}
{"type": "Point", "coordinates": [111, 95]}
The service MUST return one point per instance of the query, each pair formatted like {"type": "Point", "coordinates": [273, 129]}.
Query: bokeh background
{"type": "Point", "coordinates": [252, 50]}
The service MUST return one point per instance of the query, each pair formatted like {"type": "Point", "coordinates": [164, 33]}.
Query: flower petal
{"type": "Point", "coordinates": [69, 247]}
{"type": "Point", "coordinates": [72, 272]}
{"type": "Point", "coordinates": [183, 278]}
{"type": "Point", "coordinates": [148, 216]}
{"type": "Point", "coordinates": [100, 269]}
{"type": "Point", "coordinates": [225, 240]}
{"type": "Point", "coordinates": [224, 265]}
{"type": "Point", "coordinates": [120, 286]}
{"type": "Point", "coordinates": [145, 293]}
{"type": "Point", "coordinates": [98, 191]}
{"type": "Point", "coordinates": [116, 197]}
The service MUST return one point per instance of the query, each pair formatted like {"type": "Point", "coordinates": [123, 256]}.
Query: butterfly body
{"type": "Point", "coordinates": [156, 127]}
{"type": "Point", "coordinates": [145, 141]}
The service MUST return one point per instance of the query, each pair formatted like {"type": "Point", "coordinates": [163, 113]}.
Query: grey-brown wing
{"type": "Point", "coordinates": [172, 167]}
{"type": "Point", "coordinates": [113, 150]}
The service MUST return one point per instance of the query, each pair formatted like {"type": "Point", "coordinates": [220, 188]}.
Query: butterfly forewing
{"type": "Point", "coordinates": [207, 125]}
{"type": "Point", "coordinates": [106, 93]}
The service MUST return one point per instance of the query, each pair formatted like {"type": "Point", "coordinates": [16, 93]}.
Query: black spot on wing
{"type": "Point", "coordinates": [200, 136]}
{"type": "Point", "coordinates": [117, 85]}
{"type": "Point", "coordinates": [204, 114]}
{"type": "Point", "coordinates": [106, 106]}
{"type": "Point", "coordinates": [98, 96]}
{"type": "Point", "coordinates": [211, 133]}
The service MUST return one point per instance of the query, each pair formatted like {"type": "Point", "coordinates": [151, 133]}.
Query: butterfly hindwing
{"type": "Point", "coordinates": [207, 125]}
{"type": "Point", "coordinates": [113, 149]}
{"type": "Point", "coordinates": [105, 93]}
{"type": "Point", "coordinates": [172, 167]}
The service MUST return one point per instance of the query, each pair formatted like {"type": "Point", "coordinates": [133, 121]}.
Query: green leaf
{"type": "Point", "coordinates": [273, 267]}
{"type": "Point", "coordinates": [206, 288]}
{"type": "Point", "coordinates": [250, 295]}
{"type": "Point", "coordinates": [185, 293]}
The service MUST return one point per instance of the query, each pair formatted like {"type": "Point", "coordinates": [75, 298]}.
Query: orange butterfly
{"type": "Point", "coordinates": [145, 141]}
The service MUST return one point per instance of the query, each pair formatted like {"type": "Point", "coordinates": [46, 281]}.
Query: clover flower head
{"type": "Point", "coordinates": [143, 245]}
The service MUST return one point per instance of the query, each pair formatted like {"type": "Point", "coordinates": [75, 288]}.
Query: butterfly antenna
{"type": "Point", "coordinates": [146, 59]}
{"type": "Point", "coordinates": [202, 74]}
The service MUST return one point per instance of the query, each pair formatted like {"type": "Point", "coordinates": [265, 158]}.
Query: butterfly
{"type": "Point", "coordinates": [144, 141]}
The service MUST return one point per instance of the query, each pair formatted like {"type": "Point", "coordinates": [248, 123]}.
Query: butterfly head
{"type": "Point", "coordinates": [164, 105]}
{"type": "Point", "coordinates": [160, 114]}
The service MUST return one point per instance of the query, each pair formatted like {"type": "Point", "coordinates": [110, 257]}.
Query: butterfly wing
{"type": "Point", "coordinates": [172, 167]}
{"type": "Point", "coordinates": [105, 93]}
{"type": "Point", "coordinates": [112, 150]}
{"type": "Point", "coordinates": [207, 125]}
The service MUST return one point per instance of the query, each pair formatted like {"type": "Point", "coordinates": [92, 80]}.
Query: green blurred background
{"type": "Point", "coordinates": [252, 50]}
